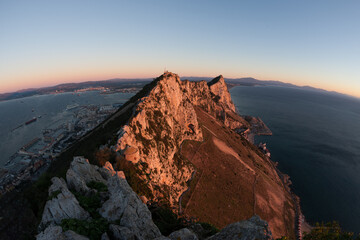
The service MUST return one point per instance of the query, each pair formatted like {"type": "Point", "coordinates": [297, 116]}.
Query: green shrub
{"type": "Point", "coordinates": [209, 229]}
{"type": "Point", "coordinates": [99, 186]}
{"type": "Point", "coordinates": [54, 194]}
{"type": "Point", "coordinates": [89, 203]}
{"type": "Point", "coordinates": [166, 220]}
{"type": "Point", "coordinates": [328, 231]}
{"type": "Point", "coordinates": [92, 229]}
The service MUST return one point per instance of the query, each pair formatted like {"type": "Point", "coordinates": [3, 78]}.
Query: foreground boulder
{"type": "Point", "coordinates": [125, 205]}
{"type": "Point", "coordinates": [128, 217]}
{"type": "Point", "coordinates": [56, 232]}
{"type": "Point", "coordinates": [80, 173]}
{"type": "Point", "coordinates": [251, 229]}
{"type": "Point", "coordinates": [62, 205]}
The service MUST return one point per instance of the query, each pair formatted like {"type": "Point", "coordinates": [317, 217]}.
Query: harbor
{"type": "Point", "coordinates": [34, 157]}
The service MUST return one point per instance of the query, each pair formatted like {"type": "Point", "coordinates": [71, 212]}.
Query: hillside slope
{"type": "Point", "coordinates": [184, 127]}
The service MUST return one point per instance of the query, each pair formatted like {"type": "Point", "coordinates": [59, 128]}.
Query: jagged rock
{"type": "Point", "coordinates": [110, 168]}
{"type": "Point", "coordinates": [80, 173]}
{"type": "Point", "coordinates": [144, 199]}
{"type": "Point", "coordinates": [71, 235]}
{"type": "Point", "coordinates": [163, 120]}
{"type": "Point", "coordinates": [219, 88]}
{"type": "Point", "coordinates": [63, 205]}
{"type": "Point", "coordinates": [183, 234]}
{"type": "Point", "coordinates": [76, 182]}
{"type": "Point", "coordinates": [56, 232]}
{"type": "Point", "coordinates": [107, 171]}
{"type": "Point", "coordinates": [122, 233]}
{"type": "Point", "coordinates": [251, 229]}
{"type": "Point", "coordinates": [161, 238]}
{"type": "Point", "coordinates": [126, 206]}
{"type": "Point", "coordinates": [120, 174]}
{"type": "Point", "coordinates": [52, 232]}
{"type": "Point", "coordinates": [105, 236]}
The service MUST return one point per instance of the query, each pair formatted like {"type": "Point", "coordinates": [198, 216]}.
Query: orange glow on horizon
{"type": "Point", "coordinates": [52, 79]}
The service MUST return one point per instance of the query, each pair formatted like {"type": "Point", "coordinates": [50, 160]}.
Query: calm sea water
{"type": "Point", "coordinates": [52, 108]}
{"type": "Point", "coordinates": [316, 140]}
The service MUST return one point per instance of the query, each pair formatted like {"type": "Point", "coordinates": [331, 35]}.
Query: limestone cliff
{"type": "Point", "coordinates": [181, 127]}
{"type": "Point", "coordinates": [162, 121]}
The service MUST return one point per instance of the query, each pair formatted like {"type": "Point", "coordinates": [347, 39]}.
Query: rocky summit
{"type": "Point", "coordinates": [181, 144]}
{"type": "Point", "coordinates": [163, 120]}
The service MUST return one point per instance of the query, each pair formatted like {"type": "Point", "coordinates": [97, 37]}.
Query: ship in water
{"type": "Point", "coordinates": [69, 107]}
{"type": "Point", "coordinates": [31, 121]}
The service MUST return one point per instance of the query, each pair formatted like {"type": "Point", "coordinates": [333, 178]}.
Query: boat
{"type": "Point", "coordinates": [31, 121]}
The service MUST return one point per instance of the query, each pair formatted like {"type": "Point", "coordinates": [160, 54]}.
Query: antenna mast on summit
{"type": "Point", "coordinates": [165, 71]}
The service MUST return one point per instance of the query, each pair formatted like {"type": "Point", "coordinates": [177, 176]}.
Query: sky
{"type": "Point", "coordinates": [307, 42]}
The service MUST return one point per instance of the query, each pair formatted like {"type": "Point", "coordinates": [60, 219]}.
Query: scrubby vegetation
{"type": "Point", "coordinates": [99, 186]}
{"type": "Point", "coordinates": [93, 228]}
{"type": "Point", "coordinates": [90, 203]}
{"type": "Point", "coordinates": [329, 231]}
{"type": "Point", "coordinates": [167, 222]}
{"type": "Point", "coordinates": [54, 194]}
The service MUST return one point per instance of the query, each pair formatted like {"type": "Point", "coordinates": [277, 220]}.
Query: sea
{"type": "Point", "coordinates": [316, 141]}
{"type": "Point", "coordinates": [50, 111]}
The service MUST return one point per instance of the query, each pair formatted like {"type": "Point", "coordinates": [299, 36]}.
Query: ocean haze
{"type": "Point", "coordinates": [316, 139]}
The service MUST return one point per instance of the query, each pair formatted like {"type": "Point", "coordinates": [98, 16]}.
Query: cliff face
{"type": "Point", "coordinates": [162, 121]}
{"type": "Point", "coordinates": [183, 126]}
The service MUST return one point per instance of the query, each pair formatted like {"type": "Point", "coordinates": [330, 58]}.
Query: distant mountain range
{"type": "Point", "coordinates": [68, 87]}
{"type": "Point", "coordinates": [119, 83]}
{"type": "Point", "coordinates": [255, 82]}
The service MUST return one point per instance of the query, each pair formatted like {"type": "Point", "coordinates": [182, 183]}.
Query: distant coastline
{"type": "Point", "coordinates": [116, 85]}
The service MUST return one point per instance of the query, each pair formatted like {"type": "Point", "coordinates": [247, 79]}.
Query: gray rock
{"type": "Point", "coordinates": [122, 233]}
{"type": "Point", "coordinates": [75, 182]}
{"type": "Point", "coordinates": [50, 233]}
{"type": "Point", "coordinates": [125, 205]}
{"type": "Point", "coordinates": [62, 206]}
{"type": "Point", "coordinates": [105, 236]}
{"type": "Point", "coordinates": [161, 238]}
{"type": "Point", "coordinates": [107, 171]}
{"type": "Point", "coordinates": [80, 173]}
{"type": "Point", "coordinates": [251, 229]}
{"type": "Point", "coordinates": [71, 235]}
{"type": "Point", "coordinates": [183, 234]}
{"type": "Point", "coordinates": [56, 233]}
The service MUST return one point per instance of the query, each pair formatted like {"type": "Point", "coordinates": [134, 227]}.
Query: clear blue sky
{"type": "Point", "coordinates": [313, 43]}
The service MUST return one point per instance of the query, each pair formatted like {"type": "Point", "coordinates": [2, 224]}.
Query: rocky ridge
{"type": "Point", "coordinates": [126, 216]}
{"type": "Point", "coordinates": [166, 117]}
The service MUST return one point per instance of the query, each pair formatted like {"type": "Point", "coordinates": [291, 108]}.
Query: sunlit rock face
{"type": "Point", "coordinates": [160, 123]}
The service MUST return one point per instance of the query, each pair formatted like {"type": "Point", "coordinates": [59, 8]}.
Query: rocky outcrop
{"type": "Point", "coordinates": [183, 234]}
{"type": "Point", "coordinates": [126, 206]}
{"type": "Point", "coordinates": [251, 229]}
{"type": "Point", "coordinates": [219, 89]}
{"type": "Point", "coordinates": [76, 177]}
{"type": "Point", "coordinates": [123, 206]}
{"type": "Point", "coordinates": [162, 121]}
{"type": "Point", "coordinates": [56, 232]}
{"type": "Point", "coordinates": [63, 205]}
{"type": "Point", "coordinates": [129, 217]}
